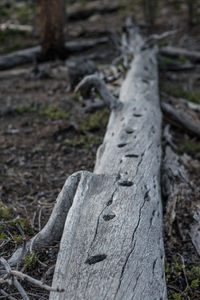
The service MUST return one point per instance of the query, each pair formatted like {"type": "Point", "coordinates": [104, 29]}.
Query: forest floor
{"type": "Point", "coordinates": [46, 134]}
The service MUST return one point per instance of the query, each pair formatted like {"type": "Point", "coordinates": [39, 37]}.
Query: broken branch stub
{"type": "Point", "coordinates": [94, 81]}
{"type": "Point", "coordinates": [112, 244]}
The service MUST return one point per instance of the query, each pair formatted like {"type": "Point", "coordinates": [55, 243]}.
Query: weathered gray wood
{"type": "Point", "coordinates": [33, 54]}
{"type": "Point", "coordinates": [95, 81]}
{"type": "Point", "coordinates": [175, 51]}
{"type": "Point", "coordinates": [195, 231]}
{"type": "Point", "coordinates": [182, 118]}
{"type": "Point", "coordinates": [173, 183]}
{"type": "Point", "coordinates": [52, 231]}
{"type": "Point", "coordinates": [112, 245]}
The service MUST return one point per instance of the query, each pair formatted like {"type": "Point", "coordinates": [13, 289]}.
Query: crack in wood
{"type": "Point", "coordinates": [154, 264]}
{"type": "Point", "coordinates": [123, 269]}
{"type": "Point", "coordinates": [132, 249]}
{"type": "Point", "coordinates": [96, 229]}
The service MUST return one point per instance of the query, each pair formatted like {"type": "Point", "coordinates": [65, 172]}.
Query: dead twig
{"type": "Point", "coordinates": [35, 281]}
{"type": "Point", "coordinates": [158, 37]}
{"type": "Point", "coordinates": [7, 295]}
{"type": "Point", "coordinates": [14, 273]}
{"type": "Point", "coordinates": [20, 289]}
{"type": "Point", "coordinates": [184, 272]}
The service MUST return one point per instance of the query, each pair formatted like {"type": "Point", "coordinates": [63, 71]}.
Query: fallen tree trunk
{"type": "Point", "coordinates": [33, 54]}
{"type": "Point", "coordinates": [174, 52]}
{"type": "Point", "coordinates": [77, 12]}
{"type": "Point", "coordinates": [111, 220]}
{"type": "Point", "coordinates": [112, 245]}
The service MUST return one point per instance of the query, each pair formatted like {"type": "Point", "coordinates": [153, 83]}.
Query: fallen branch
{"type": "Point", "coordinates": [94, 106]}
{"type": "Point", "coordinates": [17, 27]}
{"type": "Point", "coordinates": [173, 182]}
{"type": "Point", "coordinates": [33, 54]}
{"type": "Point", "coordinates": [20, 289]}
{"type": "Point", "coordinates": [180, 102]}
{"type": "Point", "coordinates": [157, 37]}
{"type": "Point", "coordinates": [91, 9]}
{"type": "Point", "coordinates": [174, 52]}
{"type": "Point", "coordinates": [182, 118]}
{"type": "Point", "coordinates": [195, 231]}
{"type": "Point", "coordinates": [35, 281]}
{"type": "Point", "coordinates": [14, 273]}
{"type": "Point", "coordinates": [94, 81]}
{"type": "Point", "coordinates": [190, 105]}
{"type": "Point", "coordinates": [7, 295]}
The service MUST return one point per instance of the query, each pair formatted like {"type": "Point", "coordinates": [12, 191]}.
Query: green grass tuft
{"type": "Point", "coordinates": [5, 212]}
{"type": "Point", "coordinates": [30, 260]}
{"type": "Point", "coordinates": [178, 92]}
{"type": "Point", "coordinates": [84, 141]}
{"type": "Point", "coordinates": [175, 276]}
{"type": "Point", "coordinates": [54, 112]}
{"type": "Point", "coordinates": [190, 147]}
{"type": "Point", "coordinates": [21, 109]}
{"type": "Point", "coordinates": [96, 121]}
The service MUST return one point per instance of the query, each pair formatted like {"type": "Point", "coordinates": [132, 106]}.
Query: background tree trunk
{"type": "Point", "coordinates": [52, 21]}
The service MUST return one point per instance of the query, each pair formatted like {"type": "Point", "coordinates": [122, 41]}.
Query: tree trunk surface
{"type": "Point", "coordinates": [112, 244]}
{"type": "Point", "coordinates": [52, 22]}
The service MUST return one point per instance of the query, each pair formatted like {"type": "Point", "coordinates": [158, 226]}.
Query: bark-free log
{"type": "Point", "coordinates": [112, 245]}
{"type": "Point", "coordinates": [33, 54]}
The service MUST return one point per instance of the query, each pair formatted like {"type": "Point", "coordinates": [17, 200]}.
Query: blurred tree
{"type": "Point", "coordinates": [150, 11]}
{"type": "Point", "coordinates": [190, 5]}
{"type": "Point", "coordinates": [52, 21]}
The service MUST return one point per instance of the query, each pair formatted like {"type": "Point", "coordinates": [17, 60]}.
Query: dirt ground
{"type": "Point", "coordinates": [46, 134]}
